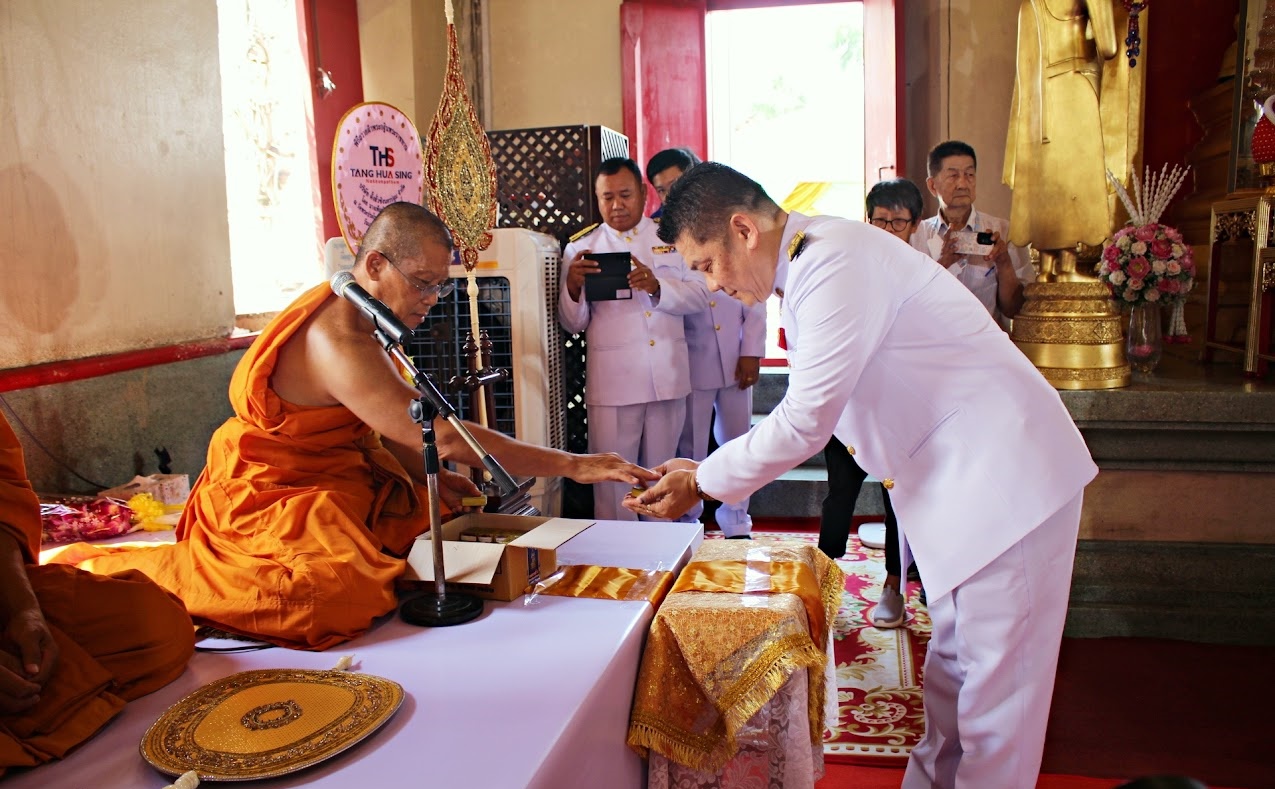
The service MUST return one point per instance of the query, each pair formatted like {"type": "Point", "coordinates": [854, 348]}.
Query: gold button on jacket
{"type": "Point", "coordinates": [887, 483]}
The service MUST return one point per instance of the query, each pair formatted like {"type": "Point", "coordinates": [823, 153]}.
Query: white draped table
{"type": "Point", "coordinates": [525, 696]}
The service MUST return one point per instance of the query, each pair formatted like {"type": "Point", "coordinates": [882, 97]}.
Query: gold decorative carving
{"type": "Point", "coordinates": [1234, 225]}
{"type": "Point", "coordinates": [1072, 331]}
{"type": "Point", "coordinates": [251, 724]}
{"type": "Point", "coordinates": [1103, 374]}
{"type": "Point", "coordinates": [458, 165]}
{"type": "Point", "coordinates": [1268, 275]}
{"type": "Point", "coordinates": [1068, 330]}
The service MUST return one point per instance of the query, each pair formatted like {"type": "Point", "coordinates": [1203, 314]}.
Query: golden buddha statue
{"type": "Point", "coordinates": [1055, 158]}
{"type": "Point", "coordinates": [1064, 134]}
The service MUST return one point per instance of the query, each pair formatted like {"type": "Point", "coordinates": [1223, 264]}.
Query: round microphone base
{"type": "Point", "coordinates": [432, 610]}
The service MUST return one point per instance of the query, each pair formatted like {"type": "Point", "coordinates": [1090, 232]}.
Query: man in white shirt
{"type": "Point", "coordinates": [995, 274]}
{"type": "Point", "coordinates": [985, 468]}
{"type": "Point", "coordinates": [637, 374]}
{"type": "Point", "coordinates": [726, 343]}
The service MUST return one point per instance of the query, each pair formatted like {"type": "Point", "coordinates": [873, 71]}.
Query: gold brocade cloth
{"type": "Point", "coordinates": [741, 619]}
{"type": "Point", "coordinates": [609, 583]}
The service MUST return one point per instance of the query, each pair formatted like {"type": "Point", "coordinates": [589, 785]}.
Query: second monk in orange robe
{"type": "Point", "coordinates": [75, 645]}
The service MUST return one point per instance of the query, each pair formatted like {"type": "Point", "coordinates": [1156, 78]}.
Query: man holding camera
{"type": "Point", "coordinates": [971, 245]}
{"type": "Point", "coordinates": [637, 373]}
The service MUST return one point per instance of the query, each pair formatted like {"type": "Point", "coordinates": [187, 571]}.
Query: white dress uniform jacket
{"type": "Point", "coordinates": [895, 357]}
{"type": "Point", "coordinates": [636, 349]}
{"type": "Point", "coordinates": [719, 335]}
{"type": "Point", "coordinates": [977, 275]}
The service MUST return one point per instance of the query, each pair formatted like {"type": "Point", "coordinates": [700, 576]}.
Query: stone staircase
{"type": "Point", "coordinates": [1221, 592]}
{"type": "Point", "coordinates": [798, 493]}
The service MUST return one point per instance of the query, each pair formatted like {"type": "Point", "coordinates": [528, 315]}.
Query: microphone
{"type": "Point", "coordinates": [382, 317]}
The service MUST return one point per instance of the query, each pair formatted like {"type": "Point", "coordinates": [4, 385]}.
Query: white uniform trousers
{"type": "Point", "coordinates": [645, 434]}
{"type": "Point", "coordinates": [993, 655]}
{"type": "Point", "coordinates": [734, 408]}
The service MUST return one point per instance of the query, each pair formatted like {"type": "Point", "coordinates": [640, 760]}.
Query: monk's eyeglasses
{"type": "Point", "coordinates": [442, 290]}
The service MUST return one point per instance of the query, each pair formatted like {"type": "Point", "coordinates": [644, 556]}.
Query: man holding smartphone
{"type": "Point", "coordinates": [637, 369]}
{"type": "Point", "coordinates": [969, 244]}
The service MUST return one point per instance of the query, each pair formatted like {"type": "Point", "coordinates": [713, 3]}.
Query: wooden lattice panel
{"type": "Point", "coordinates": [544, 182]}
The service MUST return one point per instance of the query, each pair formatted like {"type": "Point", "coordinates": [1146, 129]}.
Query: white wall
{"type": "Point", "coordinates": [112, 178]}
{"type": "Point", "coordinates": [555, 63]}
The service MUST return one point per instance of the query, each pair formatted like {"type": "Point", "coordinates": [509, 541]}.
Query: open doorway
{"type": "Point", "coordinates": [786, 107]}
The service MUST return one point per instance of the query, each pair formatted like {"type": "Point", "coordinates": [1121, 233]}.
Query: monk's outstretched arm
{"type": "Point", "coordinates": [528, 460]}
{"type": "Point", "coordinates": [361, 376]}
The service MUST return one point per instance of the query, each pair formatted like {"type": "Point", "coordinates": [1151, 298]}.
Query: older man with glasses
{"type": "Point", "coordinates": [314, 489]}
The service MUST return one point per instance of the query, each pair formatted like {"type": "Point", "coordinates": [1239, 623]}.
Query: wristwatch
{"type": "Point", "coordinates": [700, 491]}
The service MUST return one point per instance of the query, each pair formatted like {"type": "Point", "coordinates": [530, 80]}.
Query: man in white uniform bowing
{"type": "Point", "coordinates": [984, 465]}
{"type": "Point", "coordinates": [637, 375]}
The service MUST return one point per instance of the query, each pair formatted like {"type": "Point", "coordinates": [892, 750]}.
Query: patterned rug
{"type": "Point", "coordinates": [878, 671]}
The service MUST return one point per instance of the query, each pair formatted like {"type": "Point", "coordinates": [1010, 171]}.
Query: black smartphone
{"type": "Point", "coordinates": [611, 281]}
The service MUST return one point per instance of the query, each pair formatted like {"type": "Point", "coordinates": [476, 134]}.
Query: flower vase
{"type": "Point", "coordinates": [1143, 342]}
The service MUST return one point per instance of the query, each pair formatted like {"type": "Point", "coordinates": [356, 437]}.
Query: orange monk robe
{"type": "Point", "coordinates": [293, 531]}
{"type": "Point", "coordinates": [118, 637]}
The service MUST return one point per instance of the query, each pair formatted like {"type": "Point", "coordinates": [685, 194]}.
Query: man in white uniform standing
{"type": "Point", "coordinates": [726, 343]}
{"type": "Point", "coordinates": [984, 465]}
{"type": "Point", "coordinates": [997, 273]}
{"type": "Point", "coordinates": [637, 375]}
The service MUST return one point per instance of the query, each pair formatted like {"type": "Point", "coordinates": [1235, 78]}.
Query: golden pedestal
{"type": "Point", "coordinates": [1072, 332]}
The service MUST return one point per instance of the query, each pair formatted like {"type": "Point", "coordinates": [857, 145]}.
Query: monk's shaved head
{"type": "Point", "coordinates": [400, 229]}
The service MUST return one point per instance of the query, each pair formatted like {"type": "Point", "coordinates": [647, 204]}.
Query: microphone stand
{"type": "Point", "coordinates": [440, 607]}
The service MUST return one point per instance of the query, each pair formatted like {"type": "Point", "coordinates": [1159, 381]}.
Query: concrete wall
{"type": "Point", "coordinates": [112, 178]}
{"type": "Point", "coordinates": [107, 428]}
{"type": "Point", "coordinates": [555, 63]}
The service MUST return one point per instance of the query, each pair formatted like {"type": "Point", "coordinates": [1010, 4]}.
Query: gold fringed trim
{"type": "Point", "coordinates": [649, 733]}
{"type": "Point", "coordinates": [765, 675]}
{"type": "Point", "coordinates": [751, 700]}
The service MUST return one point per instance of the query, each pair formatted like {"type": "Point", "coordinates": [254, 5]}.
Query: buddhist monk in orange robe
{"type": "Point", "coordinates": [75, 645]}
{"type": "Point", "coordinates": [293, 533]}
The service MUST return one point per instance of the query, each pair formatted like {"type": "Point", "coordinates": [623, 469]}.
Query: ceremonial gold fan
{"type": "Point", "coordinates": [266, 723]}
{"type": "Point", "coordinates": [462, 177]}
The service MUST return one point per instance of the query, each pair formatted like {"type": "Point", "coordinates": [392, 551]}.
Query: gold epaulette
{"type": "Point", "coordinates": [663, 250]}
{"type": "Point", "coordinates": [796, 245]}
{"type": "Point", "coordinates": [585, 232]}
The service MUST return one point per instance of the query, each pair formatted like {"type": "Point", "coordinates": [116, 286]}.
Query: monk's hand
{"type": "Point", "coordinates": [27, 661]}
{"type": "Point", "coordinates": [608, 467]}
{"type": "Point", "coordinates": [453, 487]}
{"type": "Point", "coordinates": [746, 370]}
{"type": "Point", "coordinates": [17, 693]}
{"type": "Point", "coordinates": [671, 497]}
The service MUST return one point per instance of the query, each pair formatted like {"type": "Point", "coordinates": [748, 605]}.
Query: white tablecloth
{"type": "Point", "coordinates": [525, 696]}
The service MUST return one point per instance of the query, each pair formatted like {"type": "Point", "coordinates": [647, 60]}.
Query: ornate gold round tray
{"type": "Point", "coordinates": [261, 724]}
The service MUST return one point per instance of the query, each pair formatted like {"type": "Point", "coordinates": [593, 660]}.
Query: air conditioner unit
{"type": "Point", "coordinates": [517, 279]}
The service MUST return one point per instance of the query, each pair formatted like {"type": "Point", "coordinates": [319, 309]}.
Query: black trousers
{"type": "Point", "coordinates": [844, 480]}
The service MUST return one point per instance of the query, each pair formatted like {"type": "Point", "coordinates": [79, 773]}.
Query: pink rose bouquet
{"type": "Point", "coordinates": [1147, 264]}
